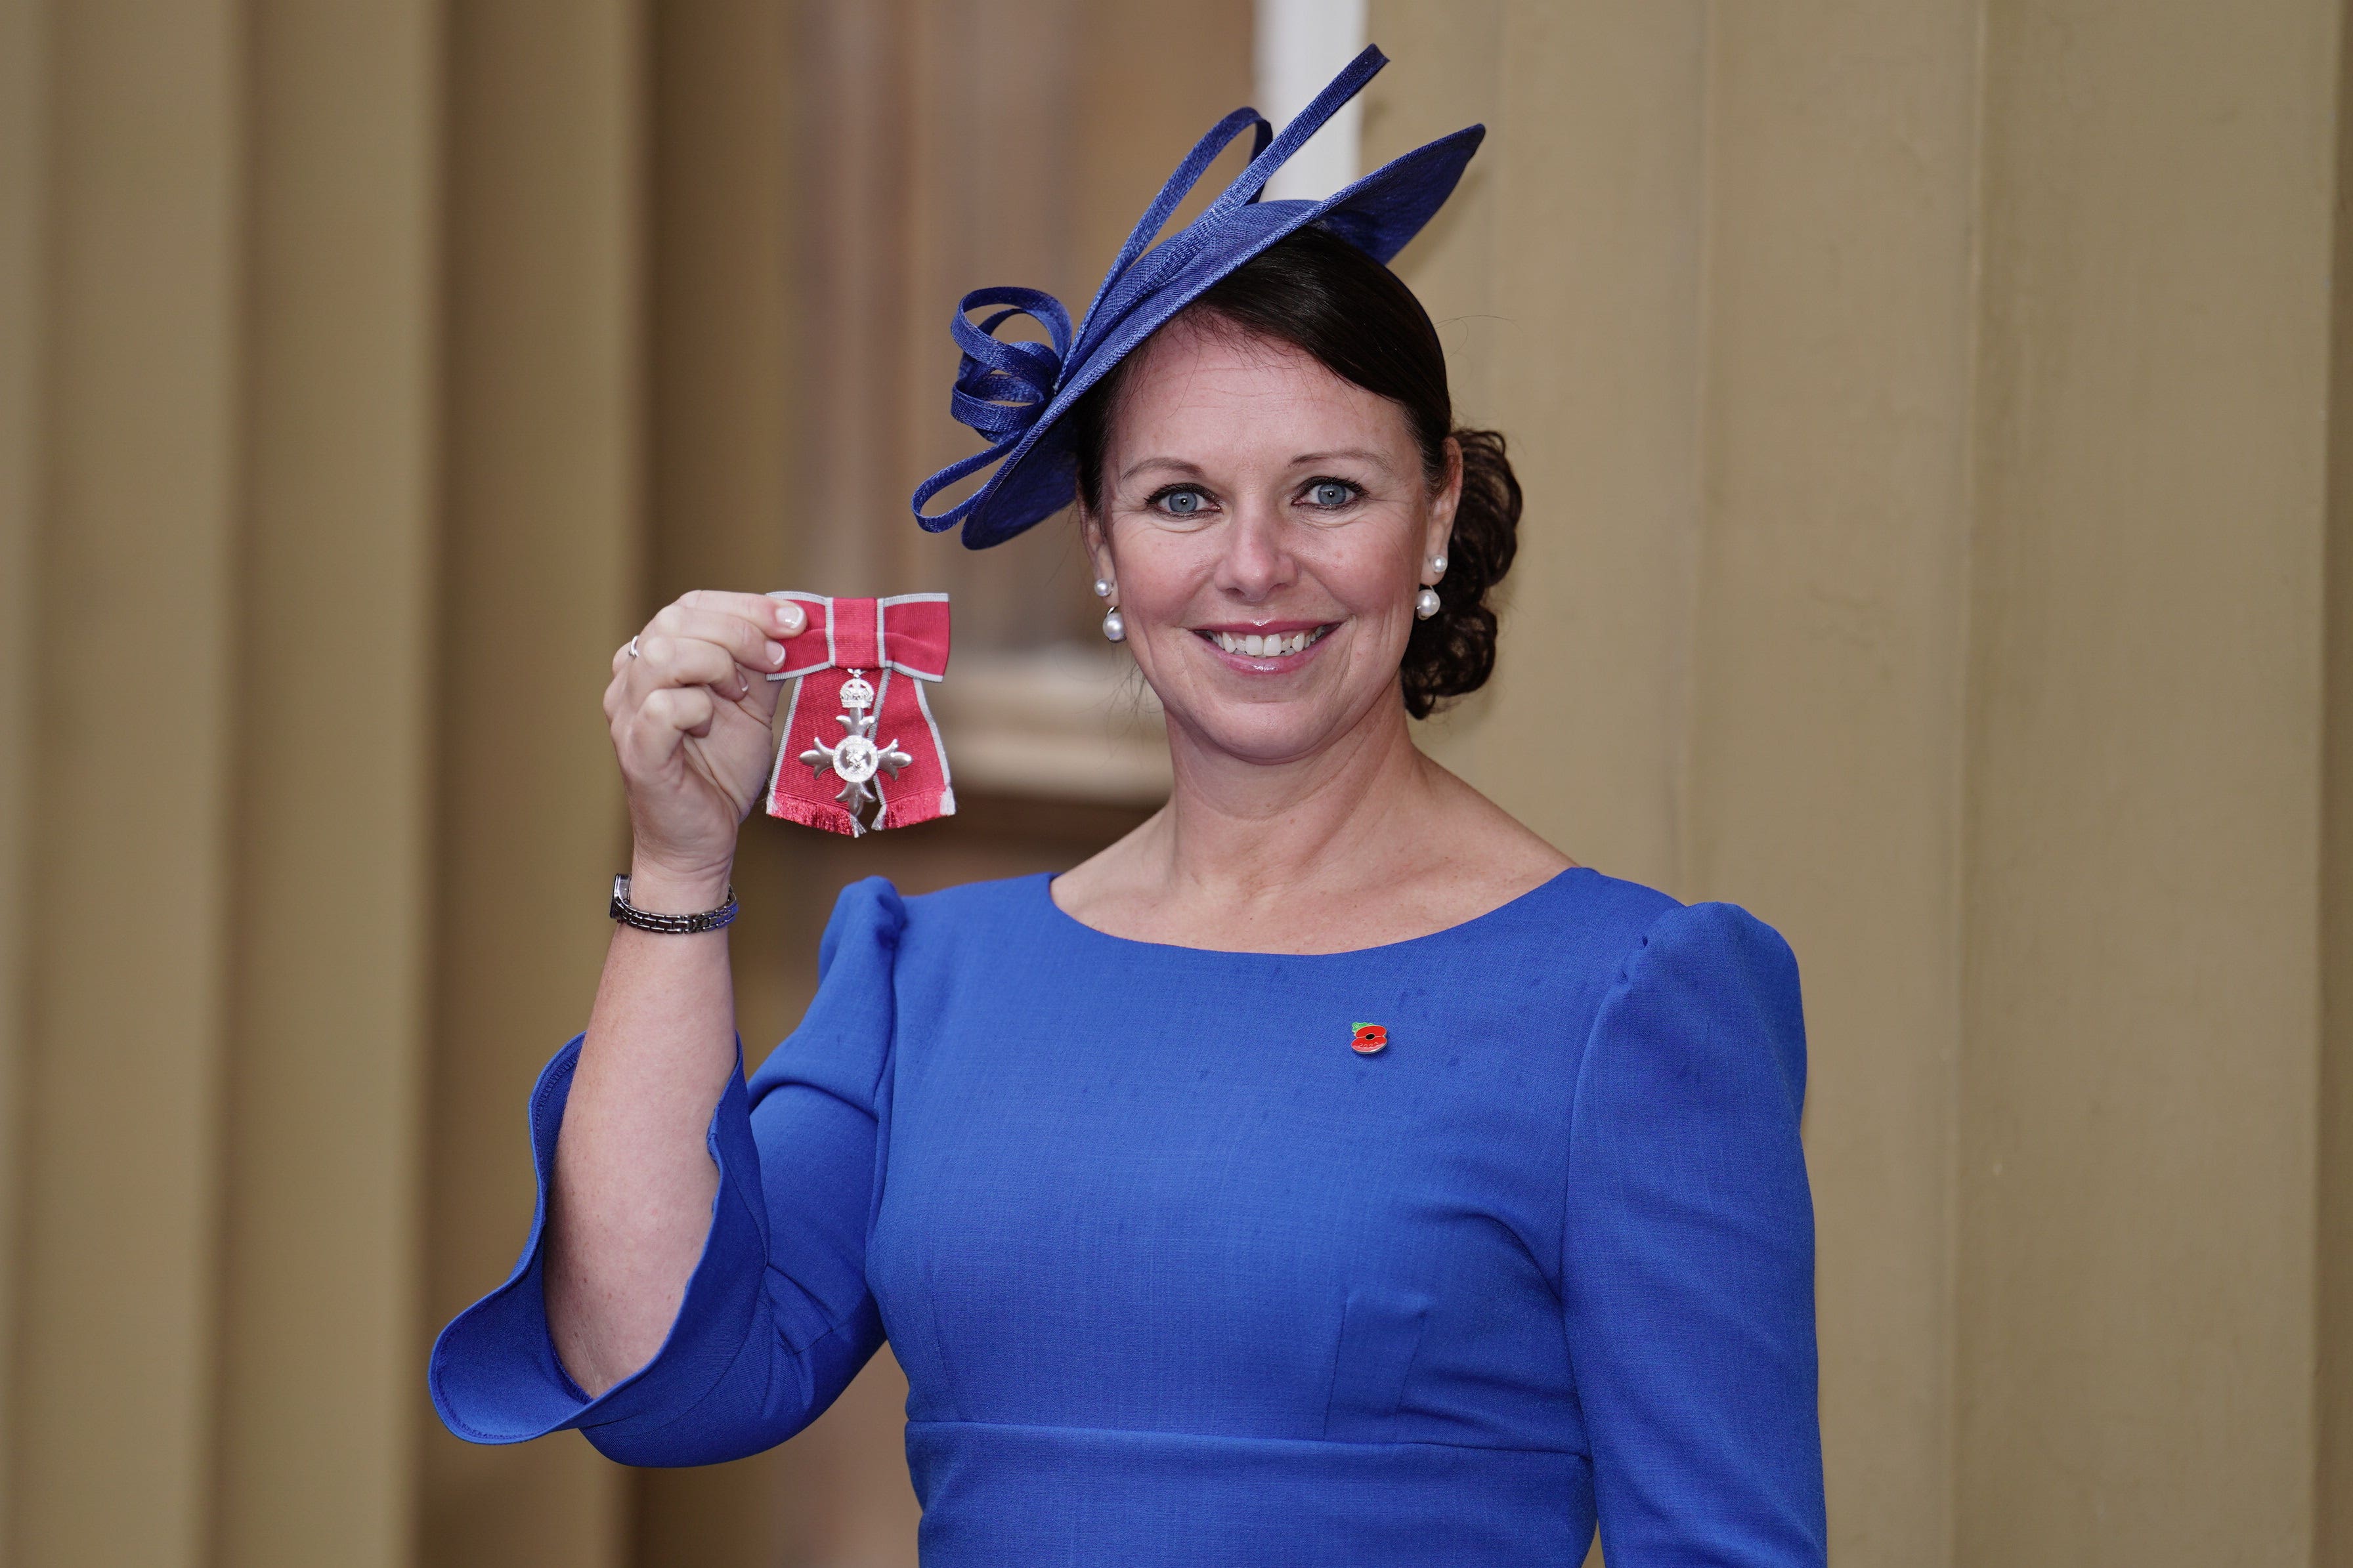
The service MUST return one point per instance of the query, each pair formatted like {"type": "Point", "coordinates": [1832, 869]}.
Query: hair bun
{"type": "Point", "coordinates": [1452, 652]}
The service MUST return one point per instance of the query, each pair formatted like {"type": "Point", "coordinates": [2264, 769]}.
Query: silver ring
{"type": "Point", "coordinates": [632, 649]}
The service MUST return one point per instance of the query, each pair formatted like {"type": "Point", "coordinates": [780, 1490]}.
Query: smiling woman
{"type": "Point", "coordinates": [1320, 297]}
{"type": "Point", "coordinates": [1329, 1171]}
{"type": "Point", "coordinates": [1299, 544]}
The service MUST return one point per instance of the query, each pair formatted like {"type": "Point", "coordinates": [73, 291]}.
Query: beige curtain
{"type": "Point", "coordinates": [219, 314]}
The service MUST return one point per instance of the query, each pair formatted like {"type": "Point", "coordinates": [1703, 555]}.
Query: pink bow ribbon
{"type": "Point", "coordinates": [858, 731]}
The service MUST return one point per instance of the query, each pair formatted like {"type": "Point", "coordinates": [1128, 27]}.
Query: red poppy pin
{"type": "Point", "coordinates": [1369, 1037]}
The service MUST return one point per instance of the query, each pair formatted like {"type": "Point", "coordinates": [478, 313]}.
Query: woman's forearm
{"type": "Point", "coordinates": [630, 1204]}
{"type": "Point", "coordinates": [629, 1207]}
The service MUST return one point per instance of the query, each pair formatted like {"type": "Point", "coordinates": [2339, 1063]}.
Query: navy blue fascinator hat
{"type": "Point", "coordinates": [1016, 394]}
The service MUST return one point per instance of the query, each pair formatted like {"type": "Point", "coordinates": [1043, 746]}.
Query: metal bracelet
{"type": "Point", "coordinates": [669, 925]}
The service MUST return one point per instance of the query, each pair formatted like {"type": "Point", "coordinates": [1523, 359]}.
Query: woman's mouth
{"type": "Point", "coordinates": [1264, 650]}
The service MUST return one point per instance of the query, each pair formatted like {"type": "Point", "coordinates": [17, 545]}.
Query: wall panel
{"type": "Point", "coordinates": [2332, 1522]}
{"type": "Point", "coordinates": [1824, 742]}
{"type": "Point", "coordinates": [541, 434]}
{"type": "Point", "coordinates": [1563, 277]}
{"type": "Point", "coordinates": [132, 736]}
{"type": "Point", "coordinates": [24, 228]}
{"type": "Point", "coordinates": [332, 798]}
{"type": "Point", "coordinates": [2140, 1030]}
{"type": "Point", "coordinates": [2333, 1527]}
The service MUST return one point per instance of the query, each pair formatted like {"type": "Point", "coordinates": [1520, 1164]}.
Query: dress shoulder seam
{"type": "Point", "coordinates": [1618, 980]}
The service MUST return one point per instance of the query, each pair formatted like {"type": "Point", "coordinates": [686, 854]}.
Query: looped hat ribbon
{"type": "Point", "coordinates": [860, 730]}
{"type": "Point", "coordinates": [1014, 393]}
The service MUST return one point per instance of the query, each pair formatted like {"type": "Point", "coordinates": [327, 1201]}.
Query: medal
{"type": "Point", "coordinates": [844, 779]}
{"type": "Point", "coordinates": [855, 757]}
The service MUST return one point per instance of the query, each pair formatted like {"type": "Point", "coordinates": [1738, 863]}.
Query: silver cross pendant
{"type": "Point", "coordinates": [855, 758]}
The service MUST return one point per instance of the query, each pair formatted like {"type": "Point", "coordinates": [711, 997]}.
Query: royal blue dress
{"type": "Point", "coordinates": [1180, 1277]}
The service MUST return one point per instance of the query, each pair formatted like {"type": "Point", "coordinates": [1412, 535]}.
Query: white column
{"type": "Point", "coordinates": [1301, 45]}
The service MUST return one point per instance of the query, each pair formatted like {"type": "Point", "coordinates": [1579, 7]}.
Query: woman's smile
{"type": "Point", "coordinates": [1268, 648]}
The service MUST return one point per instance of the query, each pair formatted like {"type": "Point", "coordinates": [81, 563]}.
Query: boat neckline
{"type": "Point", "coordinates": [1044, 882]}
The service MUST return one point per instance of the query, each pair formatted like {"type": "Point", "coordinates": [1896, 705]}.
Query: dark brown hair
{"type": "Point", "coordinates": [1325, 298]}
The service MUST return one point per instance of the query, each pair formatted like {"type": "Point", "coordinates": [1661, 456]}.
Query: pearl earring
{"type": "Point", "coordinates": [1115, 628]}
{"type": "Point", "coordinates": [1425, 604]}
{"type": "Point", "coordinates": [1437, 567]}
{"type": "Point", "coordinates": [1102, 588]}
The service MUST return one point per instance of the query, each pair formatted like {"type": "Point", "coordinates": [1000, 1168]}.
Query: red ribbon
{"type": "Point", "coordinates": [897, 645]}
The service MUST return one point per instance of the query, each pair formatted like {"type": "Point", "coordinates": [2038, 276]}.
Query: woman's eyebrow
{"type": "Point", "coordinates": [1362, 454]}
{"type": "Point", "coordinates": [1175, 465]}
{"type": "Point", "coordinates": [1304, 460]}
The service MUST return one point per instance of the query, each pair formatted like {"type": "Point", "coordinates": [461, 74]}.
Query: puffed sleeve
{"type": "Point", "coordinates": [777, 1317]}
{"type": "Point", "coordinates": [1688, 1253]}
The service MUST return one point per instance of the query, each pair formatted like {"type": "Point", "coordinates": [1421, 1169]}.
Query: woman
{"type": "Point", "coordinates": [1331, 1170]}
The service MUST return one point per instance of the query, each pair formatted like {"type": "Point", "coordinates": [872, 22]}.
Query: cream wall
{"type": "Point", "coordinates": [1925, 411]}
{"type": "Point", "coordinates": [2137, 1243]}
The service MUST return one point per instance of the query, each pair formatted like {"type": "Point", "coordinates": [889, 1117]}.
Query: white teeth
{"type": "Point", "coordinates": [1265, 646]}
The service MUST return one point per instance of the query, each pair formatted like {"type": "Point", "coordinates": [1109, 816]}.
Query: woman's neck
{"type": "Point", "coordinates": [1338, 818]}
{"type": "Point", "coordinates": [1362, 842]}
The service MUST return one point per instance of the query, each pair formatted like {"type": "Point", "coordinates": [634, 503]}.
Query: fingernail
{"type": "Point", "coordinates": [789, 615]}
{"type": "Point", "coordinates": [776, 653]}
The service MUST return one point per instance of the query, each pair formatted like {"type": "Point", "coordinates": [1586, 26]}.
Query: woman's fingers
{"type": "Point", "coordinates": [783, 614]}
{"type": "Point", "coordinates": [670, 661]}
{"type": "Point", "coordinates": [752, 646]}
{"type": "Point", "coordinates": [709, 646]}
{"type": "Point", "coordinates": [687, 710]}
{"type": "Point", "coordinates": [662, 721]}
{"type": "Point", "coordinates": [690, 706]}
{"type": "Point", "coordinates": [770, 618]}
{"type": "Point", "coordinates": [751, 627]}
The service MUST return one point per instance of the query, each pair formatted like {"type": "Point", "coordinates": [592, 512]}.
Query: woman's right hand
{"type": "Point", "coordinates": [689, 717]}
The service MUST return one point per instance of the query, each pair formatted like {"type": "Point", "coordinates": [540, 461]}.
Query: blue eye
{"type": "Point", "coordinates": [1331, 493]}
{"type": "Point", "coordinates": [1178, 501]}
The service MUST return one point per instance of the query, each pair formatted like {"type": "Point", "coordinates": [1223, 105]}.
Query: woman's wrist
{"type": "Point", "coordinates": [660, 890]}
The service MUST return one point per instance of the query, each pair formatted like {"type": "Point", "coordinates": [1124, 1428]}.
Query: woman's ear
{"type": "Point", "coordinates": [1443, 503]}
{"type": "Point", "coordinates": [1097, 542]}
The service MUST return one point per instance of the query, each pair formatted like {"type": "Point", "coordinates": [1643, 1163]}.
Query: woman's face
{"type": "Point", "coordinates": [1249, 493]}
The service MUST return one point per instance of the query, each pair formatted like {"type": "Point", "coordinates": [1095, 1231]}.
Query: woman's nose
{"type": "Point", "coordinates": [1257, 560]}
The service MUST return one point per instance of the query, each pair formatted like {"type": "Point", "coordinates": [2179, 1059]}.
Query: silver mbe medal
{"type": "Point", "coordinates": [855, 757]}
